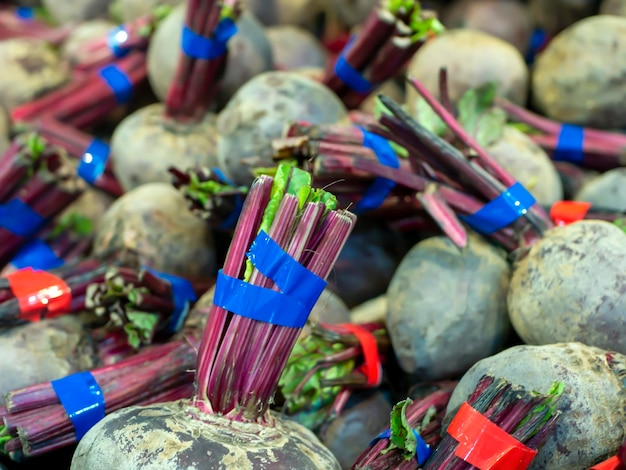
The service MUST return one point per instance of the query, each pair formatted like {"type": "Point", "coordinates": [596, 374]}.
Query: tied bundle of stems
{"type": "Point", "coordinates": [210, 195]}
{"type": "Point", "coordinates": [138, 301]}
{"type": "Point", "coordinates": [390, 36]}
{"type": "Point", "coordinates": [209, 24]}
{"type": "Point", "coordinates": [321, 372]}
{"type": "Point", "coordinates": [35, 422]}
{"type": "Point", "coordinates": [77, 144]}
{"type": "Point", "coordinates": [601, 150]}
{"type": "Point", "coordinates": [71, 280]}
{"type": "Point", "coordinates": [119, 41]}
{"type": "Point", "coordinates": [37, 182]}
{"type": "Point", "coordinates": [472, 177]}
{"type": "Point", "coordinates": [241, 359]}
{"type": "Point", "coordinates": [90, 97]}
{"type": "Point", "coordinates": [529, 417]}
{"type": "Point", "coordinates": [336, 155]}
{"type": "Point", "coordinates": [67, 240]}
{"type": "Point", "coordinates": [397, 446]}
{"type": "Point", "coordinates": [28, 23]}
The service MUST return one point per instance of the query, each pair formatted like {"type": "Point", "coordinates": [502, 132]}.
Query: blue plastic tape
{"type": "Point", "coordinates": [83, 400]}
{"type": "Point", "coordinates": [423, 450]}
{"type": "Point", "coordinates": [300, 288]}
{"type": "Point", "coordinates": [200, 47]}
{"type": "Point", "coordinates": [25, 13]}
{"type": "Point", "coordinates": [232, 218]}
{"type": "Point", "coordinates": [538, 40]}
{"type": "Point", "coordinates": [349, 75]}
{"type": "Point", "coordinates": [569, 147]}
{"type": "Point", "coordinates": [94, 161]}
{"type": "Point", "coordinates": [381, 187]}
{"type": "Point", "coordinates": [116, 40]}
{"type": "Point", "coordinates": [502, 211]}
{"type": "Point", "coordinates": [37, 254]}
{"type": "Point", "coordinates": [17, 217]}
{"type": "Point", "coordinates": [183, 295]}
{"type": "Point", "coordinates": [119, 82]}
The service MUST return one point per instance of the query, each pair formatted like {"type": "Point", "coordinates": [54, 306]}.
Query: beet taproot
{"type": "Point", "coordinates": [607, 190]}
{"type": "Point", "coordinates": [447, 307]}
{"type": "Point", "coordinates": [153, 220]}
{"type": "Point", "coordinates": [570, 287]}
{"type": "Point", "coordinates": [472, 59]}
{"type": "Point", "coordinates": [257, 114]}
{"type": "Point", "coordinates": [578, 78]}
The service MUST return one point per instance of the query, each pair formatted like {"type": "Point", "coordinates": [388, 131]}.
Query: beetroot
{"type": "Point", "coordinates": [84, 33]}
{"type": "Point", "coordinates": [447, 307]}
{"type": "Point", "coordinates": [153, 220]}
{"type": "Point", "coordinates": [607, 190]}
{"type": "Point", "coordinates": [129, 10]}
{"type": "Point", "coordinates": [587, 95]}
{"type": "Point", "coordinates": [65, 12]}
{"type": "Point", "coordinates": [258, 112]}
{"type": "Point", "coordinates": [569, 287]}
{"type": "Point", "coordinates": [472, 58]}
{"type": "Point", "coordinates": [294, 48]}
{"type": "Point", "coordinates": [31, 68]}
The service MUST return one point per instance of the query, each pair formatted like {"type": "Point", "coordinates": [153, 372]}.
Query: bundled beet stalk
{"type": "Point", "coordinates": [500, 426]}
{"type": "Point", "coordinates": [95, 165]}
{"type": "Point", "coordinates": [68, 240]}
{"type": "Point", "coordinates": [591, 148]}
{"type": "Point", "coordinates": [119, 41]}
{"type": "Point", "coordinates": [208, 27]}
{"type": "Point", "coordinates": [415, 428]}
{"type": "Point", "coordinates": [88, 98]}
{"type": "Point", "coordinates": [37, 182]}
{"type": "Point", "coordinates": [284, 246]}
{"type": "Point", "coordinates": [30, 295]}
{"type": "Point", "coordinates": [210, 195]}
{"type": "Point", "coordinates": [25, 22]}
{"type": "Point", "coordinates": [395, 192]}
{"type": "Point", "coordinates": [326, 366]}
{"type": "Point", "coordinates": [143, 302]}
{"type": "Point", "coordinates": [390, 36]}
{"type": "Point", "coordinates": [49, 416]}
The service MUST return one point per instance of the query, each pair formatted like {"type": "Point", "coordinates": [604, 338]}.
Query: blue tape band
{"type": "Point", "coordinates": [18, 218]}
{"type": "Point", "coordinates": [349, 75]}
{"type": "Point", "coordinates": [183, 296]}
{"type": "Point", "coordinates": [94, 161]}
{"type": "Point", "coordinates": [232, 218]}
{"type": "Point", "coordinates": [569, 147]}
{"type": "Point", "coordinates": [25, 13]}
{"type": "Point", "coordinates": [83, 400]}
{"type": "Point", "coordinates": [300, 288]}
{"type": "Point", "coordinates": [119, 82]}
{"type": "Point", "coordinates": [37, 254]}
{"type": "Point", "coordinates": [116, 40]}
{"type": "Point", "coordinates": [502, 211]}
{"type": "Point", "coordinates": [381, 187]}
{"type": "Point", "coordinates": [423, 450]}
{"type": "Point", "coordinates": [200, 47]}
{"type": "Point", "coordinates": [538, 40]}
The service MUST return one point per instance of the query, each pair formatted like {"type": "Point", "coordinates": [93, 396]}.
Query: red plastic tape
{"type": "Point", "coordinates": [371, 359]}
{"type": "Point", "coordinates": [38, 291]}
{"type": "Point", "coordinates": [485, 445]}
{"type": "Point", "coordinates": [613, 463]}
{"type": "Point", "coordinates": [568, 212]}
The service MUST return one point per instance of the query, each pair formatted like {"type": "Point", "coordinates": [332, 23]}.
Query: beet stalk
{"type": "Point", "coordinates": [284, 246]}
{"type": "Point", "coordinates": [514, 421]}
{"type": "Point", "coordinates": [390, 36]}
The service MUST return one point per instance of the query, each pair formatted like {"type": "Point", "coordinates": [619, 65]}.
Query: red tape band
{"type": "Point", "coordinates": [614, 463]}
{"type": "Point", "coordinates": [567, 212]}
{"type": "Point", "coordinates": [38, 291]}
{"type": "Point", "coordinates": [371, 359]}
{"type": "Point", "coordinates": [485, 445]}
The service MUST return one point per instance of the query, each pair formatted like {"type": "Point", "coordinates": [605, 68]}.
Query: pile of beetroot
{"type": "Point", "coordinates": [313, 234]}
